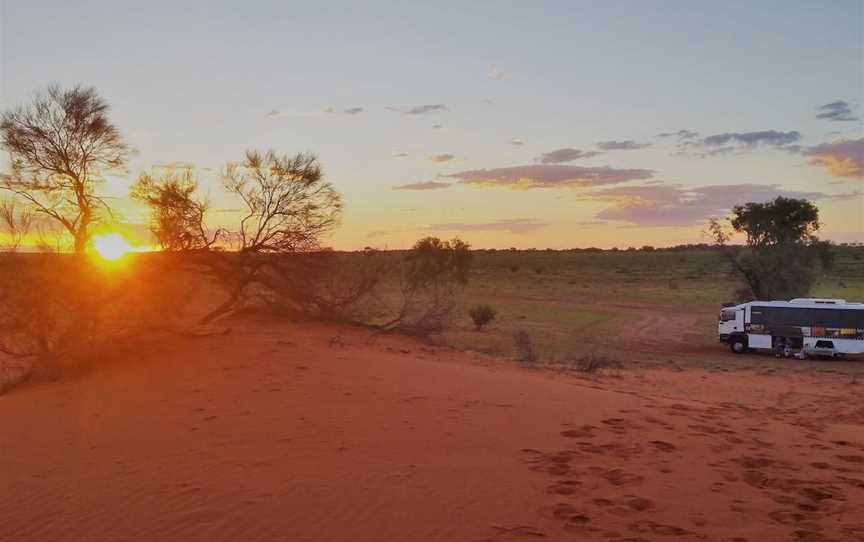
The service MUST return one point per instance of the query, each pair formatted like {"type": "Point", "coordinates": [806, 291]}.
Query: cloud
{"type": "Point", "coordinates": [512, 225]}
{"type": "Point", "coordinates": [566, 154]}
{"type": "Point", "coordinates": [838, 110]}
{"type": "Point", "coordinates": [628, 145]}
{"type": "Point", "coordinates": [517, 142]}
{"type": "Point", "coordinates": [354, 110]}
{"type": "Point", "coordinates": [440, 158]}
{"type": "Point", "coordinates": [843, 158]}
{"type": "Point", "coordinates": [420, 109]}
{"type": "Point", "coordinates": [658, 204]}
{"type": "Point", "coordinates": [792, 149]}
{"type": "Point", "coordinates": [740, 142]}
{"type": "Point", "coordinates": [425, 185]}
{"type": "Point", "coordinates": [681, 135]}
{"type": "Point", "coordinates": [549, 176]}
{"type": "Point", "coordinates": [720, 151]}
{"type": "Point", "coordinates": [276, 114]}
{"type": "Point", "coordinates": [496, 75]}
{"type": "Point", "coordinates": [770, 138]}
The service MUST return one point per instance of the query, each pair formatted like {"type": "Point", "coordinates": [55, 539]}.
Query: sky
{"type": "Point", "coordinates": [508, 124]}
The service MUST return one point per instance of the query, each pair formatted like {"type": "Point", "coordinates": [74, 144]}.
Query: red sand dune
{"type": "Point", "coordinates": [280, 432]}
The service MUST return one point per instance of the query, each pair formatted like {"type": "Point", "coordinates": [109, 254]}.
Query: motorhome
{"type": "Point", "coordinates": [826, 327]}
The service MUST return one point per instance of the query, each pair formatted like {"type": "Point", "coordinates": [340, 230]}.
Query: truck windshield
{"type": "Point", "coordinates": [727, 315]}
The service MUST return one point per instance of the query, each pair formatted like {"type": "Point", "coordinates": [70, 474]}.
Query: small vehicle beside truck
{"type": "Point", "coordinates": [806, 326]}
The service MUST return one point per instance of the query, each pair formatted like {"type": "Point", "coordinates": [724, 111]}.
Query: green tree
{"type": "Point", "coordinates": [782, 255]}
{"type": "Point", "coordinates": [781, 221]}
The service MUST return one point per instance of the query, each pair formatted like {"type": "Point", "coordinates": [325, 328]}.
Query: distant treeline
{"type": "Point", "coordinates": [644, 248]}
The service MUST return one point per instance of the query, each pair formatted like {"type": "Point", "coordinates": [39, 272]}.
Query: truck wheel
{"type": "Point", "coordinates": [738, 345]}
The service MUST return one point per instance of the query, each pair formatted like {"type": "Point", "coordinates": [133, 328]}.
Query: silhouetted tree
{"type": "Point", "coordinates": [782, 254]}
{"type": "Point", "coordinates": [288, 208]}
{"type": "Point", "coordinates": [413, 291]}
{"type": "Point", "coordinates": [178, 216]}
{"type": "Point", "coordinates": [16, 221]}
{"type": "Point", "coordinates": [58, 145]}
{"type": "Point", "coordinates": [289, 205]}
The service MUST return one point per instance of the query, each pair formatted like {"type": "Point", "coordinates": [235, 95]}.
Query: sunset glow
{"type": "Point", "coordinates": [112, 246]}
{"type": "Point", "coordinates": [432, 271]}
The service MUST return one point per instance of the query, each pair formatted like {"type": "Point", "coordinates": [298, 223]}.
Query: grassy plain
{"type": "Point", "coordinates": [636, 305]}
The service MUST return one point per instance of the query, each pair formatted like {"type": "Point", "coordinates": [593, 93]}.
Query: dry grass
{"type": "Point", "coordinates": [619, 303]}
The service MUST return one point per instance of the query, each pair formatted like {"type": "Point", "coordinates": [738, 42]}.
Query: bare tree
{"type": "Point", "coordinates": [288, 208]}
{"type": "Point", "coordinates": [58, 145]}
{"type": "Point", "coordinates": [289, 205]}
{"type": "Point", "coordinates": [17, 222]}
{"type": "Point", "coordinates": [177, 220]}
{"type": "Point", "coordinates": [411, 292]}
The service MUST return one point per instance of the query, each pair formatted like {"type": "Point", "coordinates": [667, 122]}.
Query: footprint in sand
{"type": "Point", "coordinates": [820, 494]}
{"type": "Point", "coordinates": [852, 458]}
{"type": "Point", "coordinates": [664, 446]}
{"type": "Point", "coordinates": [565, 511]}
{"type": "Point", "coordinates": [651, 527]}
{"type": "Point", "coordinates": [661, 423]}
{"type": "Point", "coordinates": [639, 504]}
{"type": "Point", "coordinates": [564, 487]}
{"type": "Point", "coordinates": [556, 464]}
{"type": "Point", "coordinates": [579, 432]}
{"type": "Point", "coordinates": [618, 477]}
{"type": "Point", "coordinates": [619, 425]}
{"type": "Point", "coordinates": [789, 517]}
{"type": "Point", "coordinates": [519, 531]}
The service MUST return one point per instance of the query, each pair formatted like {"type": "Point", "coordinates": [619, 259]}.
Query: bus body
{"type": "Point", "coordinates": [813, 326]}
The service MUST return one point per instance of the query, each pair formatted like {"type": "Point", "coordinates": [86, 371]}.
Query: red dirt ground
{"type": "Point", "coordinates": [308, 432]}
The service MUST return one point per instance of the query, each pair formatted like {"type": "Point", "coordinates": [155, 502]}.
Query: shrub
{"type": "Point", "coordinates": [58, 310]}
{"type": "Point", "coordinates": [524, 347]}
{"type": "Point", "coordinates": [413, 292]}
{"type": "Point", "coordinates": [594, 362]}
{"type": "Point", "coordinates": [482, 315]}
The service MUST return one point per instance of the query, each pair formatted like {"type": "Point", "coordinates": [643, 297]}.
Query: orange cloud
{"type": "Point", "coordinates": [843, 158]}
{"type": "Point", "coordinates": [549, 176]}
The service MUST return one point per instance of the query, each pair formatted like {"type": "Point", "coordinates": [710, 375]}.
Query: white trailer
{"type": "Point", "coordinates": [830, 327]}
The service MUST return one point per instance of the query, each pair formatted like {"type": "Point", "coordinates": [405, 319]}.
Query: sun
{"type": "Point", "coordinates": [111, 246]}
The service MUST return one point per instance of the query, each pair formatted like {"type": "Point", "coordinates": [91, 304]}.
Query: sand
{"type": "Point", "coordinates": [293, 432]}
